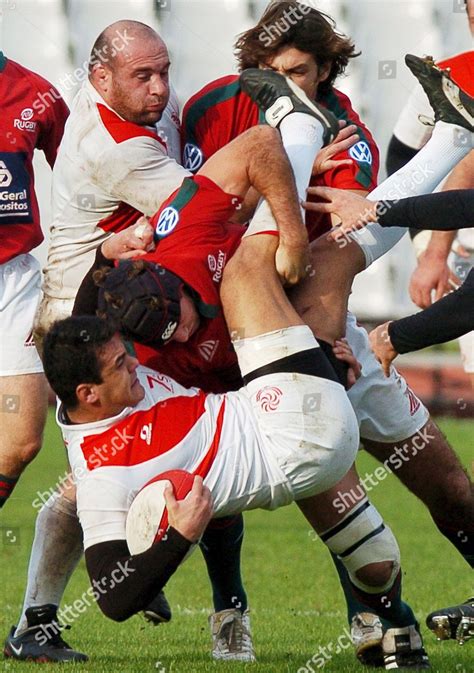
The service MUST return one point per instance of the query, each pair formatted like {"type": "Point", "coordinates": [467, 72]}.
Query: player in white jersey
{"type": "Point", "coordinates": [286, 448]}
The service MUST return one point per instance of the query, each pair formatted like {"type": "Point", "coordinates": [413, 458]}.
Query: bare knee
{"type": "Point", "coordinates": [376, 574]}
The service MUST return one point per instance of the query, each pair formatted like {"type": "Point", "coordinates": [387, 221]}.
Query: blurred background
{"type": "Point", "coordinates": [54, 38]}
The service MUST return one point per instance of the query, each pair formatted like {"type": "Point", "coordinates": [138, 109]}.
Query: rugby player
{"type": "Point", "coordinates": [33, 117]}
{"type": "Point", "coordinates": [395, 417]}
{"type": "Point", "coordinates": [251, 267]}
{"type": "Point", "coordinates": [116, 162]}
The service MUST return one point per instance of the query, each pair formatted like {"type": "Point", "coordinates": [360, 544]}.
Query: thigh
{"type": "Point", "coordinates": [426, 464]}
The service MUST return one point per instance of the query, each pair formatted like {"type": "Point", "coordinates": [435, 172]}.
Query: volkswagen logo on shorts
{"type": "Point", "coordinates": [192, 157]}
{"type": "Point", "coordinates": [361, 153]}
{"type": "Point", "coordinates": [169, 218]}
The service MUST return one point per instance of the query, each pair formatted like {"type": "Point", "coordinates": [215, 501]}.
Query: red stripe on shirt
{"type": "Point", "coordinates": [144, 434]}
{"type": "Point", "coordinates": [122, 130]}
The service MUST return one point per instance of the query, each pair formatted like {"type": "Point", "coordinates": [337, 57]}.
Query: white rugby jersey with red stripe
{"type": "Point", "coordinates": [108, 173]}
{"type": "Point", "coordinates": [215, 436]}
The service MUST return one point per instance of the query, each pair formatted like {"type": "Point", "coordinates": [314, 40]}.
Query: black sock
{"type": "Point", "coordinates": [7, 484]}
{"type": "Point", "coordinates": [461, 537]}
{"type": "Point", "coordinates": [221, 545]}
{"type": "Point", "coordinates": [389, 606]}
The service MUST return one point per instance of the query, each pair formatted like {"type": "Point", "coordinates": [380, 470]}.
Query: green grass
{"type": "Point", "coordinates": [295, 599]}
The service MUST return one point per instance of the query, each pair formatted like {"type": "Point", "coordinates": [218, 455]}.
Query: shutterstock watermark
{"type": "Point", "coordinates": [72, 79]}
{"type": "Point", "coordinates": [70, 613]}
{"type": "Point", "coordinates": [290, 17]}
{"type": "Point", "coordinates": [326, 652]}
{"type": "Point", "coordinates": [401, 455]}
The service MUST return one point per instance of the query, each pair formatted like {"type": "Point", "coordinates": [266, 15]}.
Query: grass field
{"type": "Point", "coordinates": [295, 599]}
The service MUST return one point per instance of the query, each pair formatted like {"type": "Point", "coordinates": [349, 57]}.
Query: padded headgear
{"type": "Point", "coordinates": [143, 298]}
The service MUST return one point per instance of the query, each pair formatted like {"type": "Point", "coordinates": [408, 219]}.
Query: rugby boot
{"type": "Point", "coordinates": [367, 637]}
{"type": "Point", "coordinates": [278, 96]}
{"type": "Point", "coordinates": [231, 637]}
{"type": "Point", "coordinates": [449, 102]}
{"type": "Point", "coordinates": [403, 649]}
{"type": "Point", "coordinates": [456, 622]}
{"type": "Point", "coordinates": [41, 641]}
{"type": "Point", "coordinates": [158, 611]}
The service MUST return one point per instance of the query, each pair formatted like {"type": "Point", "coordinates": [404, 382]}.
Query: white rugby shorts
{"type": "Point", "coordinates": [386, 408]}
{"type": "Point", "coordinates": [20, 292]}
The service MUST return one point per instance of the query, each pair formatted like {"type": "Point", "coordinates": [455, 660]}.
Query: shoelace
{"type": "Point", "coordinates": [55, 638]}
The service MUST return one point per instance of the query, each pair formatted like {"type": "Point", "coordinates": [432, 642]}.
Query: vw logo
{"type": "Point", "coordinates": [169, 218]}
{"type": "Point", "coordinates": [361, 153]}
{"type": "Point", "coordinates": [192, 157]}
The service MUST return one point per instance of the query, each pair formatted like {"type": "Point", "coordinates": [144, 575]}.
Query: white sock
{"type": "Point", "coordinates": [302, 138]}
{"type": "Point", "coordinates": [56, 551]}
{"type": "Point", "coordinates": [448, 145]}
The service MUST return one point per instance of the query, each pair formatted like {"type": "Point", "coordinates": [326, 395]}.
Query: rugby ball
{"type": "Point", "coordinates": [147, 518]}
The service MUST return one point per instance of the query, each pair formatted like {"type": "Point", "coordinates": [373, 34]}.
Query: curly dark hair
{"type": "Point", "coordinates": [290, 23]}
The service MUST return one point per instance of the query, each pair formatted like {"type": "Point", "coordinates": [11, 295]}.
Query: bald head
{"type": "Point", "coordinates": [119, 41]}
{"type": "Point", "coordinates": [129, 68]}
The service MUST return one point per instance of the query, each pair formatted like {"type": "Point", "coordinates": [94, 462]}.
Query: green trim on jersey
{"type": "Point", "coordinates": [201, 106]}
{"type": "Point", "coordinates": [3, 61]}
{"type": "Point", "coordinates": [364, 175]}
{"type": "Point", "coordinates": [185, 193]}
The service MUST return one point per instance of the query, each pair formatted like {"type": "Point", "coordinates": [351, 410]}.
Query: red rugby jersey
{"type": "Point", "coordinates": [195, 242]}
{"type": "Point", "coordinates": [221, 111]}
{"type": "Point", "coordinates": [32, 117]}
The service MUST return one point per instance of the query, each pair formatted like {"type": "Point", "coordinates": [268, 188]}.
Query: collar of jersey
{"type": "Point", "coordinates": [3, 61]}
{"type": "Point", "coordinates": [97, 98]}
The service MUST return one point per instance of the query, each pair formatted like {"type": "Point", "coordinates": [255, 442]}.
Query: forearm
{"type": "Point", "coordinates": [442, 211]}
{"type": "Point", "coordinates": [124, 584]}
{"type": "Point", "coordinates": [446, 319]}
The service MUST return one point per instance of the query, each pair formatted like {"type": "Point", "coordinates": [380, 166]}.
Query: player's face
{"type": "Point", "coordinates": [120, 386]}
{"type": "Point", "coordinates": [188, 321]}
{"type": "Point", "coordinates": [138, 86]}
{"type": "Point", "coordinates": [300, 67]}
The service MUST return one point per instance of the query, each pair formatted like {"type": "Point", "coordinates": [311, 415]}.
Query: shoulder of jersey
{"type": "Point", "coordinates": [466, 57]}
{"type": "Point", "coordinates": [39, 83]}
{"type": "Point", "coordinates": [222, 83]}
{"type": "Point", "coordinates": [121, 130]}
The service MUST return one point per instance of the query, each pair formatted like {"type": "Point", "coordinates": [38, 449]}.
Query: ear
{"type": "Point", "coordinates": [324, 72]}
{"type": "Point", "coordinates": [101, 77]}
{"type": "Point", "coordinates": [87, 394]}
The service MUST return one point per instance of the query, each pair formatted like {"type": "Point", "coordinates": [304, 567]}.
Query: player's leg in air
{"type": "Point", "coordinates": [454, 509]}
{"type": "Point", "coordinates": [367, 550]}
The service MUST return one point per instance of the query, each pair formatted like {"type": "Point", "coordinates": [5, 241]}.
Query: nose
{"type": "Point", "coordinates": [132, 363]}
{"type": "Point", "coordinates": [158, 86]}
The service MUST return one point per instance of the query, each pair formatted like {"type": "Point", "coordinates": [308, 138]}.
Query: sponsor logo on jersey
{"type": "Point", "coordinates": [208, 349]}
{"type": "Point", "coordinates": [145, 433]}
{"type": "Point", "coordinates": [269, 398]}
{"type": "Point", "coordinates": [216, 265]}
{"type": "Point", "coordinates": [168, 220]}
{"type": "Point", "coordinates": [192, 157]}
{"type": "Point", "coordinates": [25, 123]}
{"type": "Point", "coordinates": [361, 153]}
{"type": "Point", "coordinates": [413, 401]}
{"type": "Point", "coordinates": [169, 331]}
{"type": "Point", "coordinates": [15, 202]}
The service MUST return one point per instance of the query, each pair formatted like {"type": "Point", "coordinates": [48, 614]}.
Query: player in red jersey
{"type": "Point", "coordinates": [25, 125]}
{"type": "Point", "coordinates": [302, 53]}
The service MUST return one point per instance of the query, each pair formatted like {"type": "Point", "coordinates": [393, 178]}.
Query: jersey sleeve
{"type": "Point", "coordinates": [139, 172]}
{"type": "Point", "coordinates": [102, 506]}
{"type": "Point", "coordinates": [53, 120]}
{"type": "Point", "coordinates": [360, 175]}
